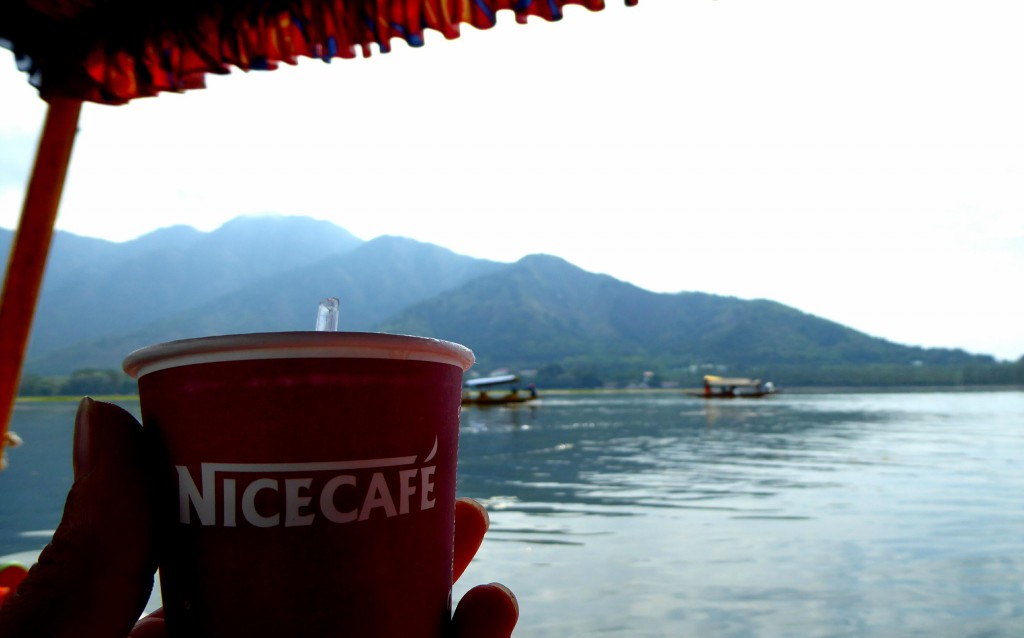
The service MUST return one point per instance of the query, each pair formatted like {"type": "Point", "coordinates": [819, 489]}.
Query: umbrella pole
{"type": "Point", "coordinates": [27, 260]}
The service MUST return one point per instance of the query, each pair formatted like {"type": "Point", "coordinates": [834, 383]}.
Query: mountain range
{"type": "Point", "coordinates": [102, 299]}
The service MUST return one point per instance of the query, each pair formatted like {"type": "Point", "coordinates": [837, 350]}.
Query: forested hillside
{"type": "Point", "coordinates": [541, 315]}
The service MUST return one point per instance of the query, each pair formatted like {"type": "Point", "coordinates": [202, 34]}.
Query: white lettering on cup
{"type": "Point", "coordinates": [377, 496]}
{"type": "Point", "coordinates": [229, 503]}
{"type": "Point", "coordinates": [427, 491]}
{"type": "Point", "coordinates": [297, 494]}
{"type": "Point", "coordinates": [293, 501]}
{"type": "Point", "coordinates": [204, 502]}
{"type": "Point", "coordinates": [327, 500]}
{"type": "Point", "coordinates": [405, 489]}
{"type": "Point", "coordinates": [252, 516]}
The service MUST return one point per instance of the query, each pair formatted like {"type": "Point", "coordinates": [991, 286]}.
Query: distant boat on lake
{"type": "Point", "coordinates": [716, 387]}
{"type": "Point", "coordinates": [499, 390]}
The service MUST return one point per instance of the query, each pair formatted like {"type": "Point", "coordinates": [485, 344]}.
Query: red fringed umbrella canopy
{"type": "Point", "coordinates": [113, 51]}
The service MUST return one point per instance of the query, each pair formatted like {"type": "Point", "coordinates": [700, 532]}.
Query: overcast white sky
{"type": "Point", "coordinates": [861, 160]}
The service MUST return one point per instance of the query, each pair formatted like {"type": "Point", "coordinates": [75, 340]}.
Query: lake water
{"type": "Point", "coordinates": [634, 515]}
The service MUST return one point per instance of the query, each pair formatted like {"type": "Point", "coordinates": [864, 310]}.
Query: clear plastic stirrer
{"type": "Point", "coordinates": [327, 315]}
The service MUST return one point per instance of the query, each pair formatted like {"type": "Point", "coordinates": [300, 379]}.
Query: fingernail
{"type": "Point", "coordinates": [480, 508]}
{"type": "Point", "coordinates": [511, 596]}
{"type": "Point", "coordinates": [85, 448]}
{"type": "Point", "coordinates": [487, 517]}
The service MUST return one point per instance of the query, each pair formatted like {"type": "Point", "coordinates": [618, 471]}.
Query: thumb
{"type": "Point", "coordinates": [95, 576]}
{"type": "Point", "coordinates": [486, 611]}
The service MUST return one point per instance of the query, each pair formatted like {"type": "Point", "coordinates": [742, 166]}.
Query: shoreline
{"type": "Point", "coordinates": [903, 389]}
{"type": "Point", "coordinates": [896, 389]}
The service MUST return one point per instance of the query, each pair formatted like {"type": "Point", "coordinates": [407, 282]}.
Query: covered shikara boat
{"type": "Point", "coordinates": [499, 390]}
{"type": "Point", "coordinates": [716, 387]}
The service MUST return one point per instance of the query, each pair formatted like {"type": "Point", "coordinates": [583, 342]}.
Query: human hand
{"type": "Point", "coordinates": [94, 579]}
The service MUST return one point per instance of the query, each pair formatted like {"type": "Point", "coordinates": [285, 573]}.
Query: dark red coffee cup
{"type": "Point", "coordinates": [308, 480]}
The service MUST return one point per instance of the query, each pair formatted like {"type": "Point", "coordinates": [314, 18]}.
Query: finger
{"type": "Point", "coordinates": [486, 611]}
{"type": "Point", "coordinates": [471, 523]}
{"type": "Point", "coordinates": [152, 626]}
{"type": "Point", "coordinates": [95, 576]}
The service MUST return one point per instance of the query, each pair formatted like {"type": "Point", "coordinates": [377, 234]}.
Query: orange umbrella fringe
{"type": "Point", "coordinates": [173, 53]}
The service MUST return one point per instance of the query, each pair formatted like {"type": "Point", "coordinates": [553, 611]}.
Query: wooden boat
{"type": "Point", "coordinates": [716, 387]}
{"type": "Point", "coordinates": [499, 390]}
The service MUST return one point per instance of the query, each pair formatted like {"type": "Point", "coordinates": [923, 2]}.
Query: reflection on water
{"type": "Point", "coordinates": [635, 515]}
{"type": "Point", "coordinates": [643, 451]}
{"type": "Point", "coordinates": [840, 515]}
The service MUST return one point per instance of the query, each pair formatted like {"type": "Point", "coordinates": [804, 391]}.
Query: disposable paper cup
{"type": "Point", "coordinates": [308, 481]}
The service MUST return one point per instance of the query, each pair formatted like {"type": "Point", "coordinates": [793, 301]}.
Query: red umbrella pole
{"type": "Point", "coordinates": [31, 244]}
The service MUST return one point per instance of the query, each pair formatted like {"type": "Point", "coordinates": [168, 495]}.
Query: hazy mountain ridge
{"type": "Point", "coordinates": [103, 299]}
{"type": "Point", "coordinates": [544, 309]}
{"type": "Point", "coordinates": [95, 289]}
{"type": "Point", "coordinates": [363, 278]}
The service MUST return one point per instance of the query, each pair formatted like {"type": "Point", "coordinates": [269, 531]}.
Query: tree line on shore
{"type": "Point", "coordinates": [570, 327]}
{"type": "Point", "coordinates": [808, 376]}
{"type": "Point", "coordinates": [89, 381]}
{"type": "Point", "coordinates": [593, 375]}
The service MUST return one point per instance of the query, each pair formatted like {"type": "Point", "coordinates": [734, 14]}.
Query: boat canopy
{"type": "Point", "coordinates": [489, 381]}
{"type": "Point", "coordinates": [710, 379]}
